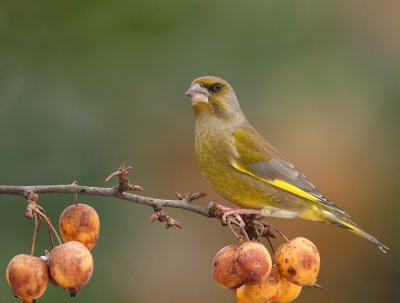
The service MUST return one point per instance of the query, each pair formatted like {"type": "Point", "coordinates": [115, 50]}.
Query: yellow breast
{"type": "Point", "coordinates": [214, 152]}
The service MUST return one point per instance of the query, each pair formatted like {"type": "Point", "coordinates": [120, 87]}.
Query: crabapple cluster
{"type": "Point", "coordinates": [248, 270]}
{"type": "Point", "coordinates": [68, 265]}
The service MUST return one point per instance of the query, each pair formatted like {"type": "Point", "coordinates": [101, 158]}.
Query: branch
{"type": "Point", "coordinates": [183, 201]}
{"type": "Point", "coordinates": [245, 221]}
{"type": "Point", "coordinates": [102, 191]}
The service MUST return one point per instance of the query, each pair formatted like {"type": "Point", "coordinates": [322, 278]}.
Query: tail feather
{"type": "Point", "coordinates": [353, 227]}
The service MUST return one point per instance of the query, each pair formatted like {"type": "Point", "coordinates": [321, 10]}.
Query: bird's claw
{"type": "Point", "coordinates": [237, 214]}
{"type": "Point", "coordinates": [233, 218]}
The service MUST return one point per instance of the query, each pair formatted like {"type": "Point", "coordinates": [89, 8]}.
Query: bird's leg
{"type": "Point", "coordinates": [243, 218]}
{"type": "Point", "coordinates": [249, 221]}
{"type": "Point", "coordinates": [222, 212]}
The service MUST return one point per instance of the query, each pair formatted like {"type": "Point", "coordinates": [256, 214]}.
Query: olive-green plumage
{"type": "Point", "coordinates": [248, 171]}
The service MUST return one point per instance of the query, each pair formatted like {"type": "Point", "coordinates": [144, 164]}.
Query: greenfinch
{"type": "Point", "coordinates": [247, 170]}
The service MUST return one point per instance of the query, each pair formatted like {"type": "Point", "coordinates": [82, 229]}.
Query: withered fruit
{"type": "Point", "coordinates": [71, 266]}
{"type": "Point", "coordinates": [290, 292]}
{"type": "Point", "coordinates": [269, 291]}
{"type": "Point", "coordinates": [80, 222]}
{"type": "Point", "coordinates": [242, 296]}
{"type": "Point", "coordinates": [28, 277]}
{"type": "Point", "coordinates": [298, 261]}
{"type": "Point", "coordinates": [253, 263]}
{"type": "Point", "coordinates": [223, 267]}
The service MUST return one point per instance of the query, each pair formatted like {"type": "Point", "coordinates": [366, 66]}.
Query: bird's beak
{"type": "Point", "coordinates": [198, 93]}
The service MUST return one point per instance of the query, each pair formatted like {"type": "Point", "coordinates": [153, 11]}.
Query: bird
{"type": "Point", "coordinates": [247, 170]}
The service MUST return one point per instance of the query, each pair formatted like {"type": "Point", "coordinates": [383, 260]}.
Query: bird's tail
{"type": "Point", "coordinates": [353, 227]}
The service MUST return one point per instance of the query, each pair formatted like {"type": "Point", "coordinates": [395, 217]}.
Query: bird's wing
{"type": "Point", "coordinates": [257, 158]}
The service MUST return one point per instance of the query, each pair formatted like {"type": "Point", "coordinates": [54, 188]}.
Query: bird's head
{"type": "Point", "coordinates": [213, 96]}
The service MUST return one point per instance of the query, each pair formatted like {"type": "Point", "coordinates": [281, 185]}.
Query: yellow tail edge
{"type": "Point", "coordinates": [353, 227]}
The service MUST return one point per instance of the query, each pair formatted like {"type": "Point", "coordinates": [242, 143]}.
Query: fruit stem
{"type": "Point", "coordinates": [73, 292]}
{"type": "Point", "coordinates": [279, 232]}
{"type": "Point", "coordinates": [50, 237]}
{"type": "Point", "coordinates": [44, 217]}
{"type": "Point", "coordinates": [35, 232]}
{"type": "Point", "coordinates": [318, 286]}
{"type": "Point", "coordinates": [270, 244]}
{"type": "Point", "coordinates": [242, 231]}
{"type": "Point", "coordinates": [76, 194]}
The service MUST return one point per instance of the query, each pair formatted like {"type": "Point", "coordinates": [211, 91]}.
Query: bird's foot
{"type": "Point", "coordinates": [245, 224]}
{"type": "Point", "coordinates": [237, 213]}
{"type": "Point", "coordinates": [240, 216]}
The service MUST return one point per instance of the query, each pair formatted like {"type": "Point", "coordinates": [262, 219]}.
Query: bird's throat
{"type": "Point", "coordinates": [202, 109]}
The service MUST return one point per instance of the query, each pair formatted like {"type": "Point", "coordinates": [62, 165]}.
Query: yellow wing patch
{"type": "Point", "coordinates": [278, 183]}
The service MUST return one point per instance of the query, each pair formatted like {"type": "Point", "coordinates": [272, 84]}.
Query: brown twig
{"type": "Point", "coordinates": [105, 192]}
{"type": "Point", "coordinates": [189, 197]}
{"type": "Point", "coordinates": [34, 210]}
{"type": "Point", "coordinates": [161, 216]}
{"type": "Point", "coordinates": [123, 184]}
{"type": "Point", "coordinates": [183, 201]}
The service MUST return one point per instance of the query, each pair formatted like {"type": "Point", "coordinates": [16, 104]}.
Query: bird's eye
{"type": "Point", "coordinates": [215, 87]}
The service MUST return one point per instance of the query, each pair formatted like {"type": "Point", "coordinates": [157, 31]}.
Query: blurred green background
{"type": "Point", "coordinates": [85, 85]}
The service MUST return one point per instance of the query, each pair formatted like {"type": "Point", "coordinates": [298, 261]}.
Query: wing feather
{"type": "Point", "coordinates": [258, 158]}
